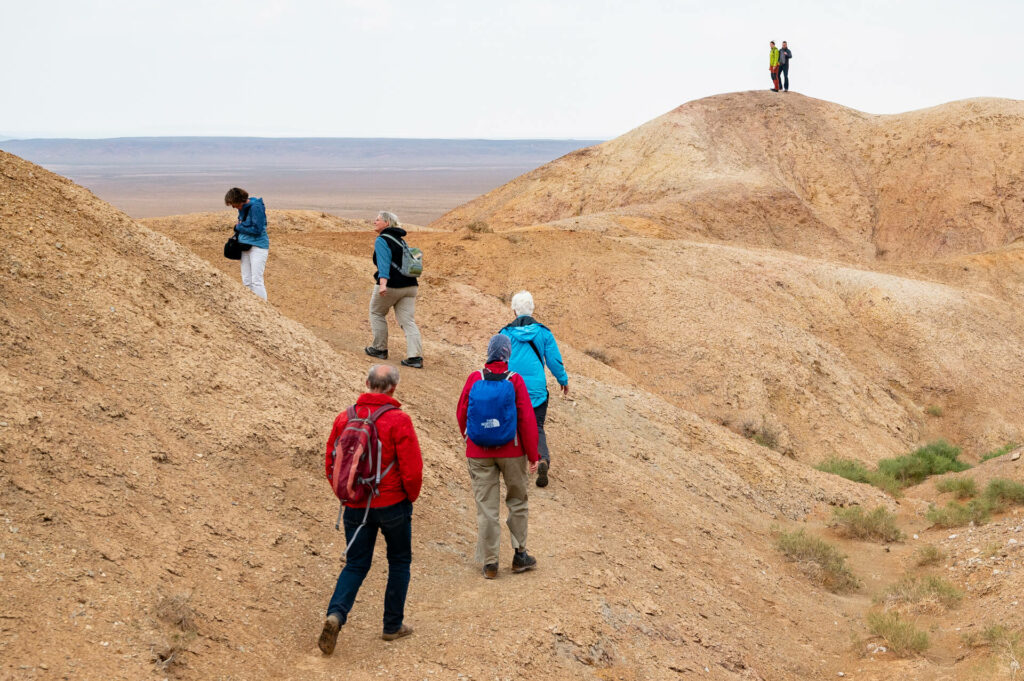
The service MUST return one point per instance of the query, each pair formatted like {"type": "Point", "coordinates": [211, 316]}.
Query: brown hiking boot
{"type": "Point", "coordinates": [329, 636]}
{"type": "Point", "coordinates": [490, 571]}
{"type": "Point", "coordinates": [403, 631]}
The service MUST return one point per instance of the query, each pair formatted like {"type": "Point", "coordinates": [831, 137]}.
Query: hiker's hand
{"type": "Point", "coordinates": [565, 390]}
{"type": "Point", "coordinates": [383, 289]}
{"type": "Point", "coordinates": [533, 466]}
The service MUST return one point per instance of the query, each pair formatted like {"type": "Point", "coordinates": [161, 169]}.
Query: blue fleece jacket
{"type": "Point", "coordinates": [524, 360]}
{"type": "Point", "coordinates": [252, 223]}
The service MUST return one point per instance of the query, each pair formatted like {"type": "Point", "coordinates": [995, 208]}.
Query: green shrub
{"type": "Point", "coordinates": [930, 554]}
{"type": "Point", "coordinates": [857, 472]}
{"type": "Point", "coordinates": [819, 560]}
{"type": "Point", "coordinates": [934, 458]}
{"type": "Point", "coordinates": [853, 522]}
{"type": "Point", "coordinates": [886, 483]}
{"type": "Point", "coordinates": [1002, 493]}
{"type": "Point", "coordinates": [845, 468]}
{"type": "Point", "coordinates": [933, 410]}
{"type": "Point", "coordinates": [977, 511]}
{"type": "Point", "coordinates": [903, 637]}
{"type": "Point", "coordinates": [1005, 449]}
{"type": "Point", "coordinates": [964, 488]}
{"type": "Point", "coordinates": [923, 590]}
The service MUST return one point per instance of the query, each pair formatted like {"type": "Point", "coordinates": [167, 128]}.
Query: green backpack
{"type": "Point", "coordinates": [412, 258]}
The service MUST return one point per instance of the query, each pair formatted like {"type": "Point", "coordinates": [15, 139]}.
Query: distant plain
{"type": "Point", "coordinates": [419, 180]}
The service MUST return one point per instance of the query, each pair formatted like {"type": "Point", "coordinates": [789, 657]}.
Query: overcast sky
{"type": "Point", "coordinates": [474, 68]}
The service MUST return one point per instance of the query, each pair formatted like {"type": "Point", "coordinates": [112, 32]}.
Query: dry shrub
{"type": "Point", "coordinates": [479, 227]}
{"type": "Point", "coordinates": [598, 354]}
{"type": "Point", "coordinates": [514, 238]}
{"type": "Point", "coordinates": [879, 524]}
{"type": "Point", "coordinates": [963, 488]}
{"type": "Point", "coordinates": [903, 637]}
{"type": "Point", "coordinates": [818, 560]}
{"type": "Point", "coordinates": [763, 433]}
{"type": "Point", "coordinates": [176, 612]}
{"type": "Point", "coordinates": [924, 594]}
{"type": "Point", "coordinates": [930, 554]}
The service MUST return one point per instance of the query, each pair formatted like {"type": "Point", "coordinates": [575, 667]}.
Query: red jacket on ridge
{"type": "Point", "coordinates": [526, 422]}
{"type": "Point", "coordinates": [398, 441]}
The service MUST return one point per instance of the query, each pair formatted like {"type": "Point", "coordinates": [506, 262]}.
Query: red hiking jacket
{"type": "Point", "coordinates": [526, 422]}
{"type": "Point", "coordinates": [398, 441]}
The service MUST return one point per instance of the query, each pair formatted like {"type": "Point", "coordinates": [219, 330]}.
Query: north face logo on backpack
{"type": "Point", "coordinates": [492, 419]}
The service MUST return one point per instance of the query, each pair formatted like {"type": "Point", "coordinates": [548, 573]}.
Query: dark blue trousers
{"type": "Point", "coordinates": [395, 523]}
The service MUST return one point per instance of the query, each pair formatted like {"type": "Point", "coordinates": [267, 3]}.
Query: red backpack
{"type": "Point", "coordinates": [355, 460]}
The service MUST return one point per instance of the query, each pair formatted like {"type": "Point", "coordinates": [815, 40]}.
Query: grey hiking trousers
{"type": "Point", "coordinates": [404, 301]}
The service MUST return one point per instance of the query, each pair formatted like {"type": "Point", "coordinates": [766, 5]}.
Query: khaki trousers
{"type": "Point", "coordinates": [484, 474]}
{"type": "Point", "coordinates": [404, 301]}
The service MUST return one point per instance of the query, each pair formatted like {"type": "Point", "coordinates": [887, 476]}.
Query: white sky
{"type": "Point", "coordinates": [474, 68]}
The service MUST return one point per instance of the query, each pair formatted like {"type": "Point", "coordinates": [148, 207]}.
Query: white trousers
{"type": "Point", "coordinates": [253, 263]}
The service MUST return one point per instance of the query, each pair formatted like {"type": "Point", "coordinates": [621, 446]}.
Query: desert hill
{"type": "Point", "coordinates": [790, 172]}
{"type": "Point", "coordinates": [785, 262]}
{"type": "Point", "coordinates": [164, 513]}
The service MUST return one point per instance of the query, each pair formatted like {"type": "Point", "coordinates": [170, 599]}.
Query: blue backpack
{"type": "Point", "coordinates": [491, 420]}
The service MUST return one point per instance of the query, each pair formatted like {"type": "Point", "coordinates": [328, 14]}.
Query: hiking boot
{"type": "Point", "coordinates": [523, 561]}
{"type": "Point", "coordinates": [490, 571]}
{"type": "Point", "coordinates": [374, 352]}
{"type": "Point", "coordinates": [414, 362]}
{"type": "Point", "coordinates": [403, 631]}
{"type": "Point", "coordinates": [542, 473]}
{"type": "Point", "coordinates": [329, 636]}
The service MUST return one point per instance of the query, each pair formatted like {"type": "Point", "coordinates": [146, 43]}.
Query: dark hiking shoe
{"type": "Point", "coordinates": [523, 561]}
{"type": "Point", "coordinates": [374, 352]}
{"type": "Point", "coordinates": [403, 631]}
{"type": "Point", "coordinates": [414, 362]}
{"type": "Point", "coordinates": [542, 474]}
{"type": "Point", "coordinates": [490, 571]}
{"type": "Point", "coordinates": [329, 636]}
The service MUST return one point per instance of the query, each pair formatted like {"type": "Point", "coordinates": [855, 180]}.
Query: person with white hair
{"type": "Point", "coordinates": [393, 290]}
{"type": "Point", "coordinates": [534, 348]}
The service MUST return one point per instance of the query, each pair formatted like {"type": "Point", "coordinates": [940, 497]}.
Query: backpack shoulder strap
{"type": "Point", "coordinates": [536, 351]}
{"type": "Point", "coordinates": [400, 242]}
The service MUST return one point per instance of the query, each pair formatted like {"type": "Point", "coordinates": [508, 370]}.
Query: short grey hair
{"type": "Point", "coordinates": [522, 303]}
{"type": "Point", "coordinates": [382, 378]}
{"type": "Point", "coordinates": [389, 218]}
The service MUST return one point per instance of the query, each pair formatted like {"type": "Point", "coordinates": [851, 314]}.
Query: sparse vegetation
{"type": "Point", "coordinates": [1003, 493]}
{"type": "Point", "coordinates": [514, 238]}
{"type": "Point", "coordinates": [903, 637]}
{"type": "Point", "coordinates": [598, 354]}
{"type": "Point", "coordinates": [1005, 449]}
{"type": "Point", "coordinates": [878, 524]}
{"type": "Point", "coordinates": [934, 458]}
{"type": "Point", "coordinates": [929, 554]}
{"type": "Point", "coordinates": [858, 472]}
{"type": "Point", "coordinates": [819, 560]}
{"type": "Point", "coordinates": [176, 612]}
{"type": "Point", "coordinates": [999, 494]}
{"type": "Point", "coordinates": [933, 410]}
{"type": "Point", "coordinates": [1008, 645]}
{"type": "Point", "coordinates": [763, 434]}
{"type": "Point", "coordinates": [923, 592]}
{"type": "Point", "coordinates": [479, 227]}
{"type": "Point", "coordinates": [845, 468]}
{"type": "Point", "coordinates": [955, 514]}
{"type": "Point", "coordinates": [963, 488]}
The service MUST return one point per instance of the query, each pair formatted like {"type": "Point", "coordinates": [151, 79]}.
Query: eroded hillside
{"type": "Point", "coordinates": [785, 262]}
{"type": "Point", "coordinates": [164, 512]}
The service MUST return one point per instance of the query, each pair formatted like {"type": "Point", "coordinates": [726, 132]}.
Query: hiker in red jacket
{"type": "Point", "coordinates": [496, 419]}
{"type": "Point", "coordinates": [390, 511]}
